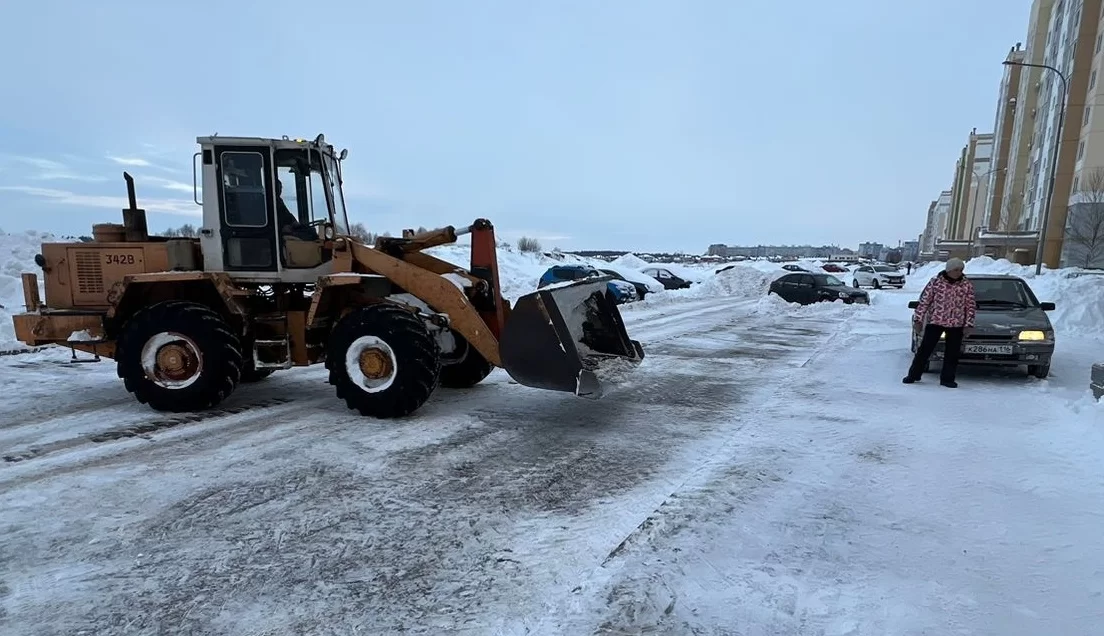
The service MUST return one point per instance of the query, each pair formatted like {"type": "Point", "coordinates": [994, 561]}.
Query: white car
{"type": "Point", "coordinates": [877, 276]}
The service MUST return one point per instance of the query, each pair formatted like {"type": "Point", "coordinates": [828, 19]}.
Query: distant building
{"type": "Point", "coordinates": [773, 251]}
{"type": "Point", "coordinates": [871, 250]}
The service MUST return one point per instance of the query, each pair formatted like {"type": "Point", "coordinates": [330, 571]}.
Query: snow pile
{"type": "Point", "coordinates": [738, 281]}
{"type": "Point", "coordinates": [1077, 294]}
{"type": "Point", "coordinates": [631, 261]}
{"type": "Point", "coordinates": [518, 271]}
{"type": "Point", "coordinates": [18, 252]}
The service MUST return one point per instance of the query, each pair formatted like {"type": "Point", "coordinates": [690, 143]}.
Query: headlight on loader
{"type": "Point", "coordinates": [1032, 335]}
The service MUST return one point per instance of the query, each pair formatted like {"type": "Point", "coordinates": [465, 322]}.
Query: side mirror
{"type": "Point", "coordinates": [1046, 306]}
{"type": "Point", "coordinates": [913, 304]}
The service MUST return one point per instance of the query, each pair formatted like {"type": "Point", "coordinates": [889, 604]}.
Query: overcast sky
{"type": "Point", "coordinates": [618, 124]}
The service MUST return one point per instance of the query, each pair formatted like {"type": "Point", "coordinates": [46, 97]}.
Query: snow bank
{"type": "Point", "coordinates": [17, 252]}
{"type": "Point", "coordinates": [631, 261]}
{"type": "Point", "coordinates": [1077, 294]}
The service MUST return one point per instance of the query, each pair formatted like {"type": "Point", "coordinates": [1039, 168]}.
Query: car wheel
{"type": "Point", "coordinates": [877, 285]}
{"type": "Point", "coordinates": [1040, 371]}
{"type": "Point", "coordinates": [855, 283]}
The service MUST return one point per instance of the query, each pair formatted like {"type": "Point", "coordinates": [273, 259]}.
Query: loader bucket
{"type": "Point", "coordinates": [568, 337]}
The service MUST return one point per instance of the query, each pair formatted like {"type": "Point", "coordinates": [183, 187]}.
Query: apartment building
{"type": "Point", "coordinates": [935, 224]}
{"type": "Point", "coordinates": [1073, 46]}
{"type": "Point", "coordinates": [1025, 113]}
{"type": "Point", "coordinates": [1003, 126]}
{"type": "Point", "coordinates": [971, 181]}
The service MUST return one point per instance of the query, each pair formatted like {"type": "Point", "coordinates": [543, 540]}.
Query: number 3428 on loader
{"type": "Point", "coordinates": [275, 280]}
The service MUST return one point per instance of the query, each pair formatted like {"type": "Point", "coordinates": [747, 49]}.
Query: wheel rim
{"type": "Point", "coordinates": [371, 364]}
{"type": "Point", "coordinates": [172, 360]}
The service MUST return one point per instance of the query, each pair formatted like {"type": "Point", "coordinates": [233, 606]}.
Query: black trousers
{"type": "Point", "coordinates": [952, 349]}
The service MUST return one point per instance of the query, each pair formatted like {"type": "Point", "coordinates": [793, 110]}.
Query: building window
{"type": "Point", "coordinates": [1092, 80]}
{"type": "Point", "coordinates": [1088, 116]}
{"type": "Point", "coordinates": [1076, 181]}
{"type": "Point", "coordinates": [1080, 150]}
{"type": "Point", "coordinates": [1099, 41]}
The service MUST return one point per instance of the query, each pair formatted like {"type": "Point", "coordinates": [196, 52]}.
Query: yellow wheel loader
{"type": "Point", "coordinates": [275, 280]}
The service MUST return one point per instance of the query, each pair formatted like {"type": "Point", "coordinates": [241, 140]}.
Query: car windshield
{"type": "Point", "coordinates": [884, 268]}
{"type": "Point", "coordinates": [996, 291]}
{"type": "Point", "coordinates": [824, 280]}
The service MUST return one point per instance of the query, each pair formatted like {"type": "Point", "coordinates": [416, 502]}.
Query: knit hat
{"type": "Point", "coordinates": [954, 263]}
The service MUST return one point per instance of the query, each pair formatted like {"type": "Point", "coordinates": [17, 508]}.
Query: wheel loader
{"type": "Point", "coordinates": [276, 280]}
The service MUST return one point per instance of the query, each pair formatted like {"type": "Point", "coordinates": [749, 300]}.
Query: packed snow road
{"type": "Point", "coordinates": [764, 472]}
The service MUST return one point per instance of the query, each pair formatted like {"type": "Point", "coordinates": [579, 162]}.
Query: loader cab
{"type": "Point", "coordinates": [271, 207]}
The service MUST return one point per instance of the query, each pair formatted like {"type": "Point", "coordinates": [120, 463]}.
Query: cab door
{"type": "Point", "coordinates": [247, 208]}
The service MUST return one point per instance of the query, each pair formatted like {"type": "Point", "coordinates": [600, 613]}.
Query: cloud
{"type": "Point", "coordinates": [50, 170]}
{"type": "Point", "coordinates": [180, 207]}
{"type": "Point", "coordinates": [138, 162]}
{"type": "Point", "coordinates": [130, 161]}
{"type": "Point", "coordinates": [165, 184]}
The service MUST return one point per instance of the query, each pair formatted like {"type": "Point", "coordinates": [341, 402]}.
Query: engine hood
{"type": "Point", "coordinates": [991, 318]}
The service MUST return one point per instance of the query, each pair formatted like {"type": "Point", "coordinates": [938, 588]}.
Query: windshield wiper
{"type": "Point", "coordinates": [996, 301]}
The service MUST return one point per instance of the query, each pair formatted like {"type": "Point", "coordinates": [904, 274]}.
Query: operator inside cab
{"type": "Point", "coordinates": [289, 223]}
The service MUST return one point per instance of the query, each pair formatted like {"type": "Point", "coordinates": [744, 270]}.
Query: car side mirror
{"type": "Point", "coordinates": [1046, 306]}
{"type": "Point", "coordinates": [913, 304]}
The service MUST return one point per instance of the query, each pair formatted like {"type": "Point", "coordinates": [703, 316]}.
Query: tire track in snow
{"type": "Point", "coordinates": [637, 610]}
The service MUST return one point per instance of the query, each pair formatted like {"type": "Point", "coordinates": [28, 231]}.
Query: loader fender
{"type": "Point", "coordinates": [138, 291]}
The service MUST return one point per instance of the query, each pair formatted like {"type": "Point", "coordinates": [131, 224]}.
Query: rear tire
{"type": "Point", "coordinates": [855, 283]}
{"type": "Point", "coordinates": [383, 361]}
{"type": "Point", "coordinates": [465, 370]}
{"type": "Point", "coordinates": [1041, 371]}
{"type": "Point", "coordinates": [877, 285]}
{"type": "Point", "coordinates": [179, 356]}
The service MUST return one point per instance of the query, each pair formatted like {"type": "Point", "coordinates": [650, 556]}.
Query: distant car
{"type": "Point", "coordinates": [667, 277]}
{"type": "Point", "coordinates": [1011, 328]}
{"type": "Point", "coordinates": [806, 289]}
{"type": "Point", "coordinates": [878, 276]}
{"type": "Point", "coordinates": [641, 288]}
{"type": "Point", "coordinates": [790, 267]}
{"type": "Point", "coordinates": [621, 291]}
{"type": "Point", "coordinates": [834, 268]}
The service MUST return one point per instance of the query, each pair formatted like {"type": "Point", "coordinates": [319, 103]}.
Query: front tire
{"type": "Point", "coordinates": [877, 285]}
{"type": "Point", "coordinates": [383, 361]}
{"type": "Point", "coordinates": [855, 283]}
{"type": "Point", "coordinates": [1041, 371]}
{"type": "Point", "coordinates": [465, 367]}
{"type": "Point", "coordinates": [179, 356]}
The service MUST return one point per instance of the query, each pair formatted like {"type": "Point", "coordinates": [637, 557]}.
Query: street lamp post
{"type": "Point", "coordinates": [1053, 160]}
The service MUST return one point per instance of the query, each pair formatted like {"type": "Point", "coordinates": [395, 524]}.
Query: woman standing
{"type": "Point", "coordinates": [947, 306]}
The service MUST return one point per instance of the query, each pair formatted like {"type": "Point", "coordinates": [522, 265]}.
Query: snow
{"type": "Point", "coordinates": [763, 471]}
{"type": "Point", "coordinates": [18, 252]}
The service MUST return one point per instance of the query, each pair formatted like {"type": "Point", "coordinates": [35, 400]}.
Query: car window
{"type": "Point", "coordinates": [826, 280]}
{"type": "Point", "coordinates": [997, 291]}
{"type": "Point", "coordinates": [664, 273]}
{"type": "Point", "coordinates": [884, 268]}
{"type": "Point", "coordinates": [788, 279]}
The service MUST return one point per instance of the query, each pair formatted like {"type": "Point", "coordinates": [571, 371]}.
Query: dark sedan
{"type": "Point", "coordinates": [1011, 328]}
{"type": "Point", "coordinates": [806, 289]}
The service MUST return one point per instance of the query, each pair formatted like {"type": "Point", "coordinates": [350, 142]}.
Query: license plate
{"type": "Point", "coordinates": [999, 350]}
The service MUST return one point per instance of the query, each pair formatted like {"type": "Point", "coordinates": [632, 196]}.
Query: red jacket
{"type": "Point", "coordinates": [947, 303]}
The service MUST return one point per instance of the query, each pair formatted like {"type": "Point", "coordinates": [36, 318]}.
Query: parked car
{"type": "Point", "coordinates": [878, 276]}
{"type": "Point", "coordinates": [621, 291]}
{"type": "Point", "coordinates": [667, 277]}
{"type": "Point", "coordinates": [806, 289]}
{"type": "Point", "coordinates": [1011, 328]}
{"type": "Point", "coordinates": [790, 267]}
{"type": "Point", "coordinates": [642, 288]}
{"type": "Point", "coordinates": [835, 268]}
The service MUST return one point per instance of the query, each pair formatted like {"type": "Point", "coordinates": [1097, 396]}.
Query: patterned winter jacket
{"type": "Point", "coordinates": [947, 303]}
